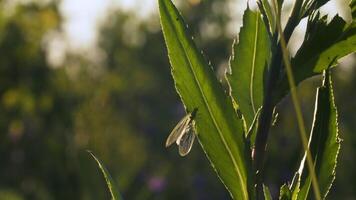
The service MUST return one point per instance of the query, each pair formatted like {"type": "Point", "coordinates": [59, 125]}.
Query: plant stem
{"type": "Point", "coordinates": [299, 115]}
{"type": "Point", "coordinates": [293, 20]}
{"type": "Point", "coordinates": [271, 98]}
{"type": "Point", "coordinates": [265, 121]}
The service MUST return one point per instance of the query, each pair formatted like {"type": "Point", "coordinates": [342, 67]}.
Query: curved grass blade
{"type": "Point", "coordinates": [220, 132]}
{"type": "Point", "coordinates": [324, 142]}
{"type": "Point", "coordinates": [248, 65]}
{"type": "Point", "coordinates": [295, 186]}
{"type": "Point", "coordinates": [115, 195]}
{"type": "Point", "coordinates": [297, 109]}
{"type": "Point", "coordinates": [267, 193]}
{"type": "Point", "coordinates": [285, 193]}
{"type": "Point", "coordinates": [268, 15]}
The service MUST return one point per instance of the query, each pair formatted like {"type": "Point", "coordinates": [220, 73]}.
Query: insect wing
{"type": "Point", "coordinates": [184, 132]}
{"type": "Point", "coordinates": [186, 141]}
{"type": "Point", "coordinates": [178, 130]}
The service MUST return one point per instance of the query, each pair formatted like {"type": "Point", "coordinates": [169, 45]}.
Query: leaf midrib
{"type": "Point", "coordinates": [245, 194]}
{"type": "Point", "coordinates": [253, 67]}
{"type": "Point", "coordinates": [218, 129]}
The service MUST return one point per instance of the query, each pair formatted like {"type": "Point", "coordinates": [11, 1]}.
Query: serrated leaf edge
{"type": "Point", "coordinates": [236, 168]}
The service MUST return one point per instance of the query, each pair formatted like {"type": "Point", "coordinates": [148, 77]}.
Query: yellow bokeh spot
{"type": "Point", "coordinates": [194, 2]}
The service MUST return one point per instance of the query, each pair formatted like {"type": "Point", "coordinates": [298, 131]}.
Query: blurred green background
{"type": "Point", "coordinates": [117, 98]}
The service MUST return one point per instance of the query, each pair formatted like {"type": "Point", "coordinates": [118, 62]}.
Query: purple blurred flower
{"type": "Point", "coordinates": [156, 184]}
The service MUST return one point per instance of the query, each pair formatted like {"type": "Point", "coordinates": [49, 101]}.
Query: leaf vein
{"type": "Point", "coordinates": [237, 170]}
{"type": "Point", "coordinates": [253, 66]}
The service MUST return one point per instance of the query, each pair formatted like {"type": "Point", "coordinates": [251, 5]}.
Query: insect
{"type": "Point", "coordinates": [183, 134]}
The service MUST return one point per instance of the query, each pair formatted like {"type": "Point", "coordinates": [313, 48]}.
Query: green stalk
{"type": "Point", "coordinates": [297, 109]}
{"type": "Point", "coordinates": [293, 20]}
{"type": "Point", "coordinates": [271, 98]}
{"type": "Point", "coordinates": [265, 121]}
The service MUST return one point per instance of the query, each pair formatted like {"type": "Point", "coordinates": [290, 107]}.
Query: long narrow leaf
{"type": "Point", "coordinates": [220, 132]}
{"type": "Point", "coordinates": [248, 65]}
{"type": "Point", "coordinates": [353, 8]}
{"type": "Point", "coordinates": [267, 193]}
{"type": "Point", "coordinates": [324, 142]}
{"type": "Point", "coordinates": [115, 195]}
{"type": "Point", "coordinates": [285, 193]}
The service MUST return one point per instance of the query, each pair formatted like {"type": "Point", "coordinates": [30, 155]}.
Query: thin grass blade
{"type": "Point", "coordinates": [115, 195]}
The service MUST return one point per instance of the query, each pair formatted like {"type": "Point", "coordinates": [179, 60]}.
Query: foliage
{"type": "Point", "coordinates": [120, 102]}
{"type": "Point", "coordinates": [250, 60]}
{"type": "Point", "coordinates": [199, 89]}
{"type": "Point", "coordinates": [115, 195]}
{"type": "Point", "coordinates": [34, 113]}
{"type": "Point", "coordinates": [256, 80]}
{"type": "Point", "coordinates": [120, 107]}
{"type": "Point", "coordinates": [324, 141]}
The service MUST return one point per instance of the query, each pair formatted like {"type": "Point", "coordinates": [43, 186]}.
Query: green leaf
{"type": "Point", "coordinates": [220, 132]}
{"type": "Point", "coordinates": [317, 4]}
{"type": "Point", "coordinates": [115, 195]}
{"type": "Point", "coordinates": [353, 9]}
{"type": "Point", "coordinates": [251, 134]}
{"type": "Point", "coordinates": [295, 186]}
{"type": "Point", "coordinates": [285, 193]}
{"type": "Point", "coordinates": [267, 193]}
{"type": "Point", "coordinates": [249, 64]}
{"type": "Point", "coordinates": [268, 15]}
{"type": "Point", "coordinates": [324, 142]}
{"type": "Point", "coordinates": [289, 192]}
{"type": "Point", "coordinates": [279, 8]}
{"type": "Point", "coordinates": [320, 50]}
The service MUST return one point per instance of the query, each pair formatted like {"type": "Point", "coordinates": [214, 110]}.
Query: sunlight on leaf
{"type": "Point", "coordinates": [285, 193]}
{"type": "Point", "coordinates": [248, 65]}
{"type": "Point", "coordinates": [220, 132]}
{"type": "Point", "coordinates": [324, 142]}
{"type": "Point", "coordinates": [319, 49]}
{"type": "Point", "coordinates": [267, 193]}
{"type": "Point", "coordinates": [115, 195]}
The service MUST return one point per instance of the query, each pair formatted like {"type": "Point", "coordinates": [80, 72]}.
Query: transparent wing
{"type": "Point", "coordinates": [178, 130]}
{"type": "Point", "coordinates": [185, 130]}
{"type": "Point", "coordinates": [186, 141]}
